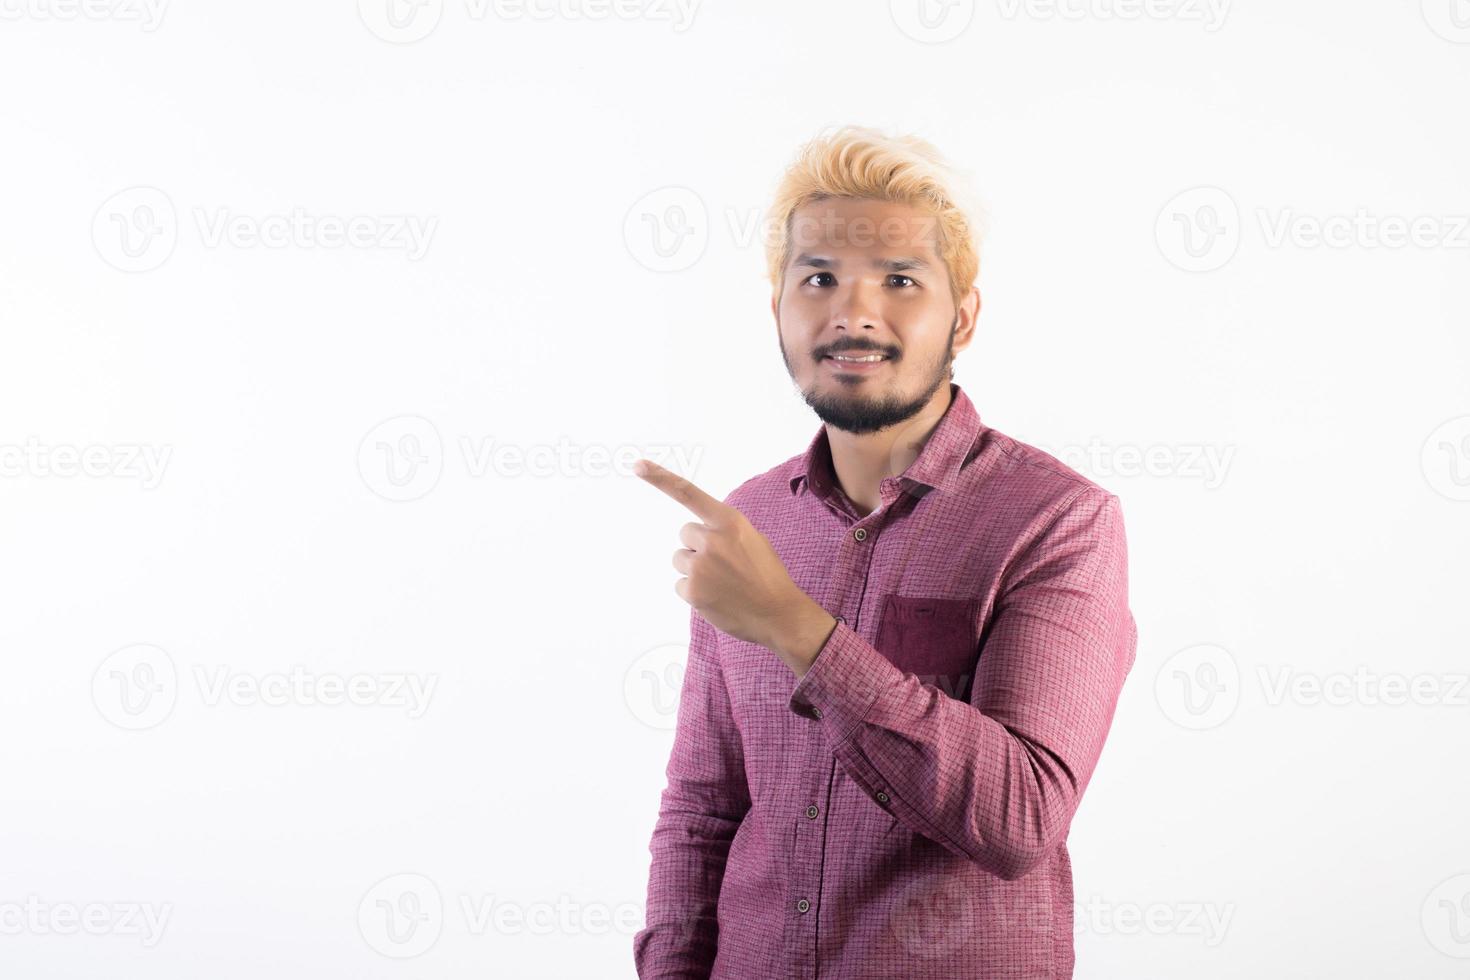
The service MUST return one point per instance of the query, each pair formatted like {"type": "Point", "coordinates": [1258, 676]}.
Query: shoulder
{"type": "Point", "coordinates": [1009, 476]}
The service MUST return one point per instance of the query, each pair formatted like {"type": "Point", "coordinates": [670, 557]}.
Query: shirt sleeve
{"type": "Point", "coordinates": [995, 779]}
{"type": "Point", "coordinates": [701, 808]}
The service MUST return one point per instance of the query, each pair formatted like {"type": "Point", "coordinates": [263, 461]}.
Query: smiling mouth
{"type": "Point", "coordinates": [856, 363]}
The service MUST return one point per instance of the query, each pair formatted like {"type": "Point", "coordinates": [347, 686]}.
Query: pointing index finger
{"type": "Point", "coordinates": [705, 507]}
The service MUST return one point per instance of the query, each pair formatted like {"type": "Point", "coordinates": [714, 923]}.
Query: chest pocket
{"type": "Point", "coordinates": [934, 639]}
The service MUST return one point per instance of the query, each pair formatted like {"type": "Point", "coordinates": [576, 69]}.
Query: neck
{"type": "Point", "coordinates": [862, 462]}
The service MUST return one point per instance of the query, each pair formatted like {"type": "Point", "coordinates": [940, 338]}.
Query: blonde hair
{"type": "Point", "coordinates": [859, 162]}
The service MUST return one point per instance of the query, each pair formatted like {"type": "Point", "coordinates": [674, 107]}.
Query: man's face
{"type": "Point", "coordinates": [864, 277]}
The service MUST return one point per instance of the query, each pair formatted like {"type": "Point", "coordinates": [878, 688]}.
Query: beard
{"type": "Point", "coordinates": [854, 409]}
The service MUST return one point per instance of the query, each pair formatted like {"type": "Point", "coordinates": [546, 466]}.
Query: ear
{"type": "Point", "coordinates": [967, 314]}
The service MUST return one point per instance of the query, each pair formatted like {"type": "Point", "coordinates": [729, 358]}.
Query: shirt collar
{"type": "Point", "coordinates": [937, 466]}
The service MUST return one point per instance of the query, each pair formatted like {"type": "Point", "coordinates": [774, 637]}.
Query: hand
{"type": "Point", "coordinates": [735, 579]}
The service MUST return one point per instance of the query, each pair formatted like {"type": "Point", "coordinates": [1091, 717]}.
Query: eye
{"type": "Point", "coordinates": [907, 281]}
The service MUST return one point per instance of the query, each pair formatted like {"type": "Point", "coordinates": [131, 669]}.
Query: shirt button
{"type": "Point", "coordinates": [803, 905]}
{"type": "Point", "coordinates": [841, 619]}
{"type": "Point", "coordinates": [860, 534]}
{"type": "Point", "coordinates": [882, 797]}
{"type": "Point", "coordinates": [816, 713]}
{"type": "Point", "coordinates": [811, 811]}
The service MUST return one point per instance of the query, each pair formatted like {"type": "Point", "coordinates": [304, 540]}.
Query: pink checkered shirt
{"type": "Point", "coordinates": [902, 810]}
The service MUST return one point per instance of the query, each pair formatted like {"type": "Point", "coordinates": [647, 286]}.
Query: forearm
{"type": "Point", "coordinates": [996, 778]}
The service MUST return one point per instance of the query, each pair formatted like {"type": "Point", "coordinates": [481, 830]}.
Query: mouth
{"type": "Point", "coordinates": [858, 362]}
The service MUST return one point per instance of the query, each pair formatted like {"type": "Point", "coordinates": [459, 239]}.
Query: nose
{"type": "Point", "coordinates": [855, 306]}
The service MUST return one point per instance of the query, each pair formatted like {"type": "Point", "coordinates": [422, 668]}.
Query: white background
{"type": "Point", "coordinates": [1235, 827]}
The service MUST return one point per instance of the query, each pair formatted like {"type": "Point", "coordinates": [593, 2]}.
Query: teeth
{"type": "Point", "coordinates": [858, 360]}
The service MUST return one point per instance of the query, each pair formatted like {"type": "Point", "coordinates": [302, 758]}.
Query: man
{"type": "Point", "coordinates": [906, 643]}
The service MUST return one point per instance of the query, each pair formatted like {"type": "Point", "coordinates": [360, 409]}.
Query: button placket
{"type": "Point", "coordinates": [849, 567]}
{"type": "Point", "coordinates": [808, 865]}
{"type": "Point", "coordinates": [847, 588]}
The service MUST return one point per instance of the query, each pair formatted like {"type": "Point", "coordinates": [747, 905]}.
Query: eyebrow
{"type": "Point", "coordinates": [901, 264]}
